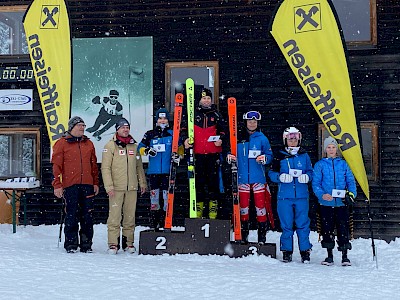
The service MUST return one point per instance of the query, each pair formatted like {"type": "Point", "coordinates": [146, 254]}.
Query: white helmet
{"type": "Point", "coordinates": [291, 133]}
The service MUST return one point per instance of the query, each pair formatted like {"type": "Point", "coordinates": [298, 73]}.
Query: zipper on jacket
{"type": "Point", "coordinates": [80, 154]}
{"type": "Point", "coordinates": [334, 176]}
{"type": "Point", "coordinates": [127, 168]}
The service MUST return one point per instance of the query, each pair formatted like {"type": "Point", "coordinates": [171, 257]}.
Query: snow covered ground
{"type": "Point", "coordinates": [32, 267]}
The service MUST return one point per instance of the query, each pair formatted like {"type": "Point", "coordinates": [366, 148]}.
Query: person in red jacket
{"type": "Point", "coordinates": [76, 181]}
{"type": "Point", "coordinates": [209, 131]}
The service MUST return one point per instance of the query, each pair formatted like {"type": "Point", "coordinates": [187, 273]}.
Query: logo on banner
{"type": "Point", "coordinates": [50, 16]}
{"type": "Point", "coordinates": [15, 99]}
{"type": "Point", "coordinates": [307, 18]}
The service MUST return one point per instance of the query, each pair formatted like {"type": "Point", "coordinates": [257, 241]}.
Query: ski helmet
{"type": "Point", "coordinates": [291, 133]}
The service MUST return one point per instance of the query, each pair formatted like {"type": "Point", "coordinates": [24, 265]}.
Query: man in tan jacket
{"type": "Point", "coordinates": [123, 175]}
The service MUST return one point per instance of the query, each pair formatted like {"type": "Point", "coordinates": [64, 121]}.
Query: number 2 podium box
{"type": "Point", "coordinates": [201, 236]}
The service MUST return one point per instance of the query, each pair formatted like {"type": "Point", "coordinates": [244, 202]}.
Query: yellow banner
{"type": "Point", "coordinates": [47, 31]}
{"type": "Point", "coordinates": [308, 36]}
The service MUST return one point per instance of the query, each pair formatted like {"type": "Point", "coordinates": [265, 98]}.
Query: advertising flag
{"type": "Point", "coordinates": [47, 31]}
{"type": "Point", "coordinates": [308, 35]}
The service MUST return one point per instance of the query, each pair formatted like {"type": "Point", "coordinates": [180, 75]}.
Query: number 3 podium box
{"type": "Point", "coordinates": [201, 236]}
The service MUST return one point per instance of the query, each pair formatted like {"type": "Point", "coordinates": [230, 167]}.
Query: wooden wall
{"type": "Point", "coordinates": [235, 33]}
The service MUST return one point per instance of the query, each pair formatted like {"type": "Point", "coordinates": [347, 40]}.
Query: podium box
{"type": "Point", "coordinates": [201, 236]}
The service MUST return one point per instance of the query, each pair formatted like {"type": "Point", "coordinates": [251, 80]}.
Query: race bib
{"type": "Point", "coordinates": [254, 153]}
{"type": "Point", "coordinates": [295, 172]}
{"type": "Point", "coordinates": [213, 138]}
{"type": "Point", "coordinates": [159, 147]}
{"type": "Point", "coordinates": [338, 193]}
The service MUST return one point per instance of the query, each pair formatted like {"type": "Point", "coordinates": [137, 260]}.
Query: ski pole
{"type": "Point", "coordinates": [61, 221]}
{"type": "Point", "coordinates": [374, 257]}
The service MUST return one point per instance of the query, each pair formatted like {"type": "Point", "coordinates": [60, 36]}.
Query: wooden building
{"type": "Point", "coordinates": [233, 35]}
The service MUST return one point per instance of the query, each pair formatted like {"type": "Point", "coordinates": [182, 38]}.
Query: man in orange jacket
{"type": "Point", "coordinates": [76, 180]}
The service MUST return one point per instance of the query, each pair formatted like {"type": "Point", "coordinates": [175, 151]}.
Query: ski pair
{"type": "Point", "coordinates": [232, 114]}
{"type": "Point", "coordinates": [191, 171]}
{"type": "Point", "coordinates": [174, 165]}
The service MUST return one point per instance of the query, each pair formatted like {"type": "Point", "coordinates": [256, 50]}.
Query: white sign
{"type": "Point", "coordinates": [295, 172]}
{"type": "Point", "coordinates": [213, 138]}
{"type": "Point", "coordinates": [338, 193]}
{"type": "Point", "coordinates": [159, 147]}
{"type": "Point", "coordinates": [254, 153]}
{"type": "Point", "coordinates": [16, 100]}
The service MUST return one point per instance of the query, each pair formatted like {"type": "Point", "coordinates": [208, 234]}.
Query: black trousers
{"type": "Point", "coordinates": [207, 176]}
{"type": "Point", "coordinates": [79, 200]}
{"type": "Point", "coordinates": [331, 218]}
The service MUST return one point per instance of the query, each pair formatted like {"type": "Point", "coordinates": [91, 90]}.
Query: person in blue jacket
{"type": "Point", "coordinates": [157, 144]}
{"type": "Point", "coordinates": [333, 183]}
{"type": "Point", "coordinates": [253, 154]}
{"type": "Point", "coordinates": [292, 170]}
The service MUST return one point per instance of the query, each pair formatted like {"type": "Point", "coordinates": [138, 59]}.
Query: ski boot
{"type": "Point", "coordinates": [245, 232]}
{"type": "Point", "coordinates": [155, 220]}
{"type": "Point", "coordinates": [97, 136]}
{"type": "Point", "coordinates": [213, 209]}
{"type": "Point", "coordinates": [262, 232]}
{"type": "Point", "coordinates": [199, 208]}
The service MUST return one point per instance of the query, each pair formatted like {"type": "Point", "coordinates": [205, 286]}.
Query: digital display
{"type": "Point", "coordinates": [16, 73]}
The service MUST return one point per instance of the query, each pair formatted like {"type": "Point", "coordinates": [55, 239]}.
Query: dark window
{"type": "Point", "coordinates": [369, 134]}
{"type": "Point", "coordinates": [19, 152]}
{"type": "Point", "coordinates": [12, 34]}
{"type": "Point", "coordinates": [204, 73]}
{"type": "Point", "coordinates": [358, 20]}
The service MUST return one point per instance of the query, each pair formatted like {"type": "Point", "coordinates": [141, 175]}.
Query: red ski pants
{"type": "Point", "coordinates": [259, 201]}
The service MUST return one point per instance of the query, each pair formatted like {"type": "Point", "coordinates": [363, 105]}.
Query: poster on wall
{"type": "Point", "coordinates": [113, 78]}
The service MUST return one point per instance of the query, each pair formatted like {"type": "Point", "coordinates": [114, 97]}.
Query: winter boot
{"type": "Point", "coordinates": [329, 260]}
{"type": "Point", "coordinates": [245, 232]}
{"type": "Point", "coordinates": [130, 249]}
{"type": "Point", "coordinates": [213, 209]}
{"type": "Point", "coordinates": [262, 231]}
{"type": "Point", "coordinates": [305, 256]}
{"type": "Point", "coordinates": [287, 256]}
{"type": "Point", "coordinates": [345, 261]}
{"type": "Point", "coordinates": [199, 208]}
{"type": "Point", "coordinates": [112, 249]}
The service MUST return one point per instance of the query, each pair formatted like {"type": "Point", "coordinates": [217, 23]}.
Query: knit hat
{"type": "Point", "coordinates": [206, 92]}
{"type": "Point", "coordinates": [73, 121]}
{"type": "Point", "coordinates": [114, 93]}
{"type": "Point", "coordinates": [161, 113]}
{"type": "Point", "coordinates": [330, 141]}
{"type": "Point", "coordinates": [122, 122]}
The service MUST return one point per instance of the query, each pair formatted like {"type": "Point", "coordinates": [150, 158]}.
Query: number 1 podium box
{"type": "Point", "coordinates": [201, 236]}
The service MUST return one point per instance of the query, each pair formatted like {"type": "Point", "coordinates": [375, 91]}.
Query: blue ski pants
{"type": "Point", "coordinates": [294, 211]}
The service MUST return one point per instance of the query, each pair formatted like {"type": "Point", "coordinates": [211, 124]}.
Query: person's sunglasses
{"type": "Point", "coordinates": [250, 115]}
{"type": "Point", "coordinates": [113, 97]}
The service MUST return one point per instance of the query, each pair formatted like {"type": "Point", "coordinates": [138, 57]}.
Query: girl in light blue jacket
{"type": "Point", "coordinates": [333, 183]}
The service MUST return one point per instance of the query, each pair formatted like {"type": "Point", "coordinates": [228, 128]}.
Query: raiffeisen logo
{"type": "Point", "coordinates": [49, 17]}
{"type": "Point", "coordinates": [324, 101]}
{"type": "Point", "coordinates": [15, 99]}
{"type": "Point", "coordinates": [307, 18]}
